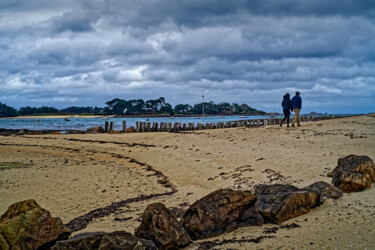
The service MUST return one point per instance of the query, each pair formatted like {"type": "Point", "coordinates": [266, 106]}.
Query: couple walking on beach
{"type": "Point", "coordinates": [294, 105]}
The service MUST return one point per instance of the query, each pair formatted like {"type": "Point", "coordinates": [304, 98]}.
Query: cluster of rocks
{"type": "Point", "coordinates": [25, 225]}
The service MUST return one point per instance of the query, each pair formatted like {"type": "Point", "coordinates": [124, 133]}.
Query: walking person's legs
{"type": "Point", "coordinates": [287, 120]}
{"type": "Point", "coordinates": [296, 117]}
{"type": "Point", "coordinates": [281, 124]}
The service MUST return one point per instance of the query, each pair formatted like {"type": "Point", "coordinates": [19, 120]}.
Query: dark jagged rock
{"type": "Point", "coordinates": [278, 203]}
{"type": "Point", "coordinates": [326, 191]}
{"type": "Point", "coordinates": [116, 240]}
{"type": "Point", "coordinates": [25, 225]}
{"type": "Point", "coordinates": [275, 188]}
{"type": "Point", "coordinates": [354, 173]}
{"type": "Point", "coordinates": [95, 130]}
{"type": "Point", "coordinates": [219, 212]}
{"type": "Point", "coordinates": [161, 227]}
{"type": "Point", "coordinates": [251, 217]}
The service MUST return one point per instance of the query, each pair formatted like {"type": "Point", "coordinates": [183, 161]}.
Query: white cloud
{"type": "Point", "coordinates": [89, 52]}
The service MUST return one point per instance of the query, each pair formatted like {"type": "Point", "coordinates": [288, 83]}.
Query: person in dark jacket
{"type": "Point", "coordinates": [296, 108]}
{"type": "Point", "coordinates": [287, 106]}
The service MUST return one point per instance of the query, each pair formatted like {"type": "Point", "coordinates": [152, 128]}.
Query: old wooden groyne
{"type": "Point", "coordinates": [191, 126]}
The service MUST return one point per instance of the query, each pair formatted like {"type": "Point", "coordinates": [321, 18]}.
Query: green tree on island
{"type": "Point", "coordinates": [6, 111]}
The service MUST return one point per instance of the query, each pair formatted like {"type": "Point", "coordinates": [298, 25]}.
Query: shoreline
{"type": "Point", "coordinates": [156, 116]}
{"type": "Point", "coordinates": [118, 116]}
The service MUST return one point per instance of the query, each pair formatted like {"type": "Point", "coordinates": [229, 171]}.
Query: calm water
{"type": "Point", "coordinates": [84, 123]}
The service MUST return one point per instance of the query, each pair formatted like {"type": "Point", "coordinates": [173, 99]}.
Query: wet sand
{"type": "Point", "coordinates": [71, 175]}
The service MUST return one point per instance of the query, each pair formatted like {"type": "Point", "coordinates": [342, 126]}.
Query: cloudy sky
{"type": "Point", "coordinates": [85, 52]}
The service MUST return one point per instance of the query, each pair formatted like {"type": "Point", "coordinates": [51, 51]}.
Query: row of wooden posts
{"type": "Point", "coordinates": [178, 126]}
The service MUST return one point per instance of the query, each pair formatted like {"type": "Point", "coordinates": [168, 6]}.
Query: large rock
{"type": "Point", "coordinates": [277, 203]}
{"type": "Point", "coordinates": [354, 173]}
{"type": "Point", "coordinates": [326, 191]}
{"type": "Point", "coordinates": [161, 227]}
{"type": "Point", "coordinates": [219, 212]}
{"type": "Point", "coordinates": [95, 130]}
{"type": "Point", "coordinates": [116, 240]}
{"type": "Point", "coordinates": [25, 225]}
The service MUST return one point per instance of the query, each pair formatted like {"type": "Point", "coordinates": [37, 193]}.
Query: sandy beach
{"type": "Point", "coordinates": [71, 175]}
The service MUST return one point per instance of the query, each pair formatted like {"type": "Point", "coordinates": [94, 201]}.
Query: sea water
{"type": "Point", "coordinates": [84, 123]}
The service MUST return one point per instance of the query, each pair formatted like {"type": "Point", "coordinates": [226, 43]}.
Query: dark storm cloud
{"type": "Point", "coordinates": [63, 53]}
{"type": "Point", "coordinates": [315, 8]}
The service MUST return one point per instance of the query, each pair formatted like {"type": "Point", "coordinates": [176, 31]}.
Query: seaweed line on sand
{"type": "Point", "coordinates": [215, 243]}
{"type": "Point", "coordinates": [82, 221]}
{"type": "Point", "coordinates": [97, 141]}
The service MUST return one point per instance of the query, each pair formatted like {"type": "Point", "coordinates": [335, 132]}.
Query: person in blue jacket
{"type": "Point", "coordinates": [287, 106]}
{"type": "Point", "coordinates": [296, 108]}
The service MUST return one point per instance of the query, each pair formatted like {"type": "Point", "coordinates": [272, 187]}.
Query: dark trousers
{"type": "Point", "coordinates": [286, 117]}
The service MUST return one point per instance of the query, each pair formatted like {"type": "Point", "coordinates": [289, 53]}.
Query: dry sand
{"type": "Point", "coordinates": [70, 175]}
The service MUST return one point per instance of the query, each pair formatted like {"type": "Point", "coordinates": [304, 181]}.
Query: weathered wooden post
{"type": "Point", "coordinates": [106, 126]}
{"type": "Point", "coordinates": [137, 128]}
{"type": "Point", "coordinates": [162, 127]}
{"type": "Point", "coordinates": [110, 126]}
{"type": "Point", "coordinates": [144, 126]}
{"type": "Point", "coordinates": [169, 127]}
{"type": "Point", "coordinates": [123, 126]}
{"type": "Point", "coordinates": [156, 127]}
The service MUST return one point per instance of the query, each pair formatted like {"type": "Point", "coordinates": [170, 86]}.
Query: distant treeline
{"type": "Point", "coordinates": [51, 110]}
{"type": "Point", "coordinates": [6, 111]}
{"type": "Point", "coordinates": [160, 106]}
{"type": "Point", "coordinates": [138, 107]}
